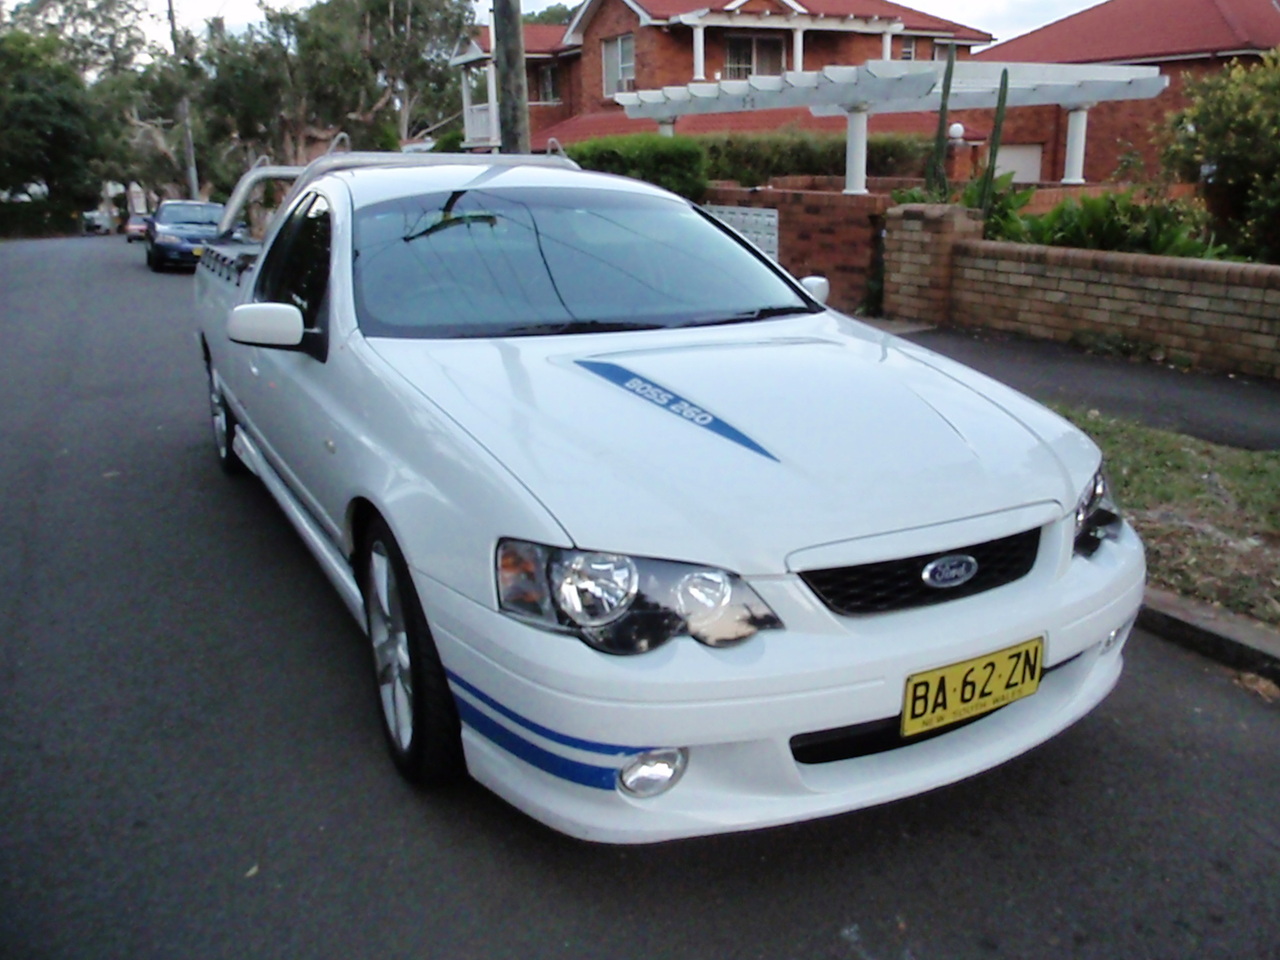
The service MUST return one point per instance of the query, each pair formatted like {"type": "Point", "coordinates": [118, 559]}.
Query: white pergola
{"type": "Point", "coordinates": [898, 86]}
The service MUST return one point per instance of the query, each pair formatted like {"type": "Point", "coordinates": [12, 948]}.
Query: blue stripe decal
{"type": "Point", "coordinates": [601, 778]}
{"type": "Point", "coordinates": [672, 402]}
{"type": "Point", "coordinates": [591, 746]}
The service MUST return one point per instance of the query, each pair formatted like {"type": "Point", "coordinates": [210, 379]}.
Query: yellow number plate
{"type": "Point", "coordinates": [936, 698]}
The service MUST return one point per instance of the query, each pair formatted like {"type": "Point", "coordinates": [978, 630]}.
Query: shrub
{"type": "Point", "coordinates": [1116, 222]}
{"type": "Point", "coordinates": [1003, 221]}
{"type": "Point", "coordinates": [753, 159]}
{"type": "Point", "coordinates": [1229, 135]}
{"type": "Point", "coordinates": [674, 163]}
{"type": "Point", "coordinates": [450, 142]}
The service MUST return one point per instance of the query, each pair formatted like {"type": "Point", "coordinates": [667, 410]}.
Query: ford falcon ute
{"type": "Point", "coordinates": [642, 536]}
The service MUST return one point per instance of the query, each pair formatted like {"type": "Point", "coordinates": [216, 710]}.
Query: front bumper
{"type": "Point", "coordinates": [547, 722]}
{"type": "Point", "coordinates": [187, 253]}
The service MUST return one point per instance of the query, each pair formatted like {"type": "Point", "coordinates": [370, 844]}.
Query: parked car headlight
{"type": "Point", "coordinates": [621, 604]}
{"type": "Point", "coordinates": [1097, 516]}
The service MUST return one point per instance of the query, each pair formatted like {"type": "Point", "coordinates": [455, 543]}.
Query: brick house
{"type": "Point", "coordinates": [1184, 38]}
{"type": "Point", "coordinates": [615, 46]}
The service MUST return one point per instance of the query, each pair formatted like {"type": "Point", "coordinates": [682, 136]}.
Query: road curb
{"type": "Point", "coordinates": [1230, 639]}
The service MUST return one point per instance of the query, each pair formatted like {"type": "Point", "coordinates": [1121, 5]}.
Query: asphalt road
{"type": "Point", "coordinates": [191, 767]}
{"type": "Point", "coordinates": [1235, 410]}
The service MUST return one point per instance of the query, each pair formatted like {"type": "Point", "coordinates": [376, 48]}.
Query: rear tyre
{"type": "Point", "coordinates": [225, 426]}
{"type": "Point", "coordinates": [419, 718]}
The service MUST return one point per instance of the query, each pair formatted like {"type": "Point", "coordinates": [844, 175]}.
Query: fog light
{"type": "Point", "coordinates": [1114, 638]}
{"type": "Point", "coordinates": [654, 772]}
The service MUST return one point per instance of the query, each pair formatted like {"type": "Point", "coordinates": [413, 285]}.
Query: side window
{"type": "Point", "coordinates": [296, 270]}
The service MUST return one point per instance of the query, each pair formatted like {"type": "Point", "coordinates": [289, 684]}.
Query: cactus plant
{"type": "Point", "coordinates": [987, 192]}
{"type": "Point", "coordinates": [936, 174]}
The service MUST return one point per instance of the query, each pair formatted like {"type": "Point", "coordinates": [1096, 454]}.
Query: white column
{"type": "Point", "coordinates": [667, 128]}
{"type": "Point", "coordinates": [797, 48]}
{"type": "Point", "coordinates": [491, 80]}
{"type": "Point", "coordinates": [466, 95]}
{"type": "Point", "coordinates": [886, 46]}
{"type": "Point", "coordinates": [855, 153]}
{"type": "Point", "coordinates": [699, 53]}
{"type": "Point", "coordinates": [1077, 128]}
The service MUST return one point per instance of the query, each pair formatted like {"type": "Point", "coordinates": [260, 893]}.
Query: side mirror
{"type": "Point", "coordinates": [266, 325]}
{"type": "Point", "coordinates": [817, 287]}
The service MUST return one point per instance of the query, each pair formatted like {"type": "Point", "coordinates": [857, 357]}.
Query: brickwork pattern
{"type": "Point", "coordinates": [1213, 315]}
{"type": "Point", "coordinates": [828, 234]}
{"type": "Point", "coordinates": [1204, 313]}
{"type": "Point", "coordinates": [918, 251]}
{"type": "Point", "coordinates": [1116, 128]}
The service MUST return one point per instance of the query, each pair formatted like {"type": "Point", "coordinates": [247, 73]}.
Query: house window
{"type": "Point", "coordinates": [908, 49]}
{"type": "Point", "coordinates": [744, 56]}
{"type": "Point", "coordinates": [940, 50]}
{"type": "Point", "coordinates": [548, 85]}
{"type": "Point", "coordinates": [619, 64]}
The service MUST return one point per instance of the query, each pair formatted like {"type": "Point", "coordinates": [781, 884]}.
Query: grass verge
{"type": "Point", "coordinates": [1209, 515]}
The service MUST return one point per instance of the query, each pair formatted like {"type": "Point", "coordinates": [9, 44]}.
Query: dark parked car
{"type": "Point", "coordinates": [179, 230]}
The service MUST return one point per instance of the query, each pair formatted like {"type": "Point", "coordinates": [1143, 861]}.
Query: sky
{"type": "Point", "coordinates": [1005, 19]}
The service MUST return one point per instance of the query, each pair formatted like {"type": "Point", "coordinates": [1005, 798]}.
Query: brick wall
{"type": "Point", "coordinates": [830, 234]}
{"type": "Point", "coordinates": [1209, 314]}
{"type": "Point", "coordinates": [1117, 129]}
{"type": "Point", "coordinates": [613, 19]}
{"type": "Point", "coordinates": [918, 251]}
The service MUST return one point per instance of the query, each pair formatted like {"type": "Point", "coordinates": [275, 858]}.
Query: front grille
{"type": "Point", "coordinates": [899, 584]}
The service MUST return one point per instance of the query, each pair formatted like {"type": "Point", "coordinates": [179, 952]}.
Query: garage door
{"type": "Point", "coordinates": [1023, 159]}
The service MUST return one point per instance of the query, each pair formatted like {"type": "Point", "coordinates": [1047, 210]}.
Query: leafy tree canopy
{"type": "Point", "coordinates": [99, 36]}
{"type": "Point", "coordinates": [557, 13]}
{"type": "Point", "coordinates": [46, 120]}
{"type": "Point", "coordinates": [1230, 136]}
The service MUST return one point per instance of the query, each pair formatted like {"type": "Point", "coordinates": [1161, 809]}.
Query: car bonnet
{"type": "Point", "coordinates": [739, 445]}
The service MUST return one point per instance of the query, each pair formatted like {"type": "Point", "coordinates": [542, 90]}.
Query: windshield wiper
{"type": "Point", "coordinates": [578, 326]}
{"type": "Point", "coordinates": [745, 316]}
{"type": "Point", "coordinates": [452, 220]}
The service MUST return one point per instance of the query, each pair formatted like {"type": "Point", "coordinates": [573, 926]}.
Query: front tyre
{"type": "Point", "coordinates": [419, 718]}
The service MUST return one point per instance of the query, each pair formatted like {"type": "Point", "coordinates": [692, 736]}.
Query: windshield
{"type": "Point", "coordinates": [203, 213]}
{"type": "Point", "coordinates": [520, 262]}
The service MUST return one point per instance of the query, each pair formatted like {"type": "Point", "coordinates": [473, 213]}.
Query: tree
{"type": "Point", "coordinates": [1230, 135]}
{"type": "Point", "coordinates": [294, 81]}
{"type": "Point", "coordinates": [557, 14]}
{"type": "Point", "coordinates": [46, 130]}
{"type": "Point", "coordinates": [99, 36]}
{"type": "Point", "coordinates": [408, 44]}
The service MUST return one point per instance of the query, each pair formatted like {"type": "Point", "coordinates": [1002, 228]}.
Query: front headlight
{"type": "Point", "coordinates": [621, 604]}
{"type": "Point", "coordinates": [167, 238]}
{"type": "Point", "coordinates": [1097, 516]}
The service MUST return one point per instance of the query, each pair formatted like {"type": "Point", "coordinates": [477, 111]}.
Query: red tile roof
{"type": "Point", "coordinates": [913, 20]}
{"type": "Point", "coordinates": [588, 126]}
{"type": "Point", "coordinates": [539, 38]}
{"type": "Point", "coordinates": [1129, 30]}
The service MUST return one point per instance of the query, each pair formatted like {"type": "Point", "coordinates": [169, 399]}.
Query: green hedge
{"type": "Point", "coordinates": [753, 159]}
{"type": "Point", "coordinates": [37, 218]}
{"type": "Point", "coordinates": [685, 164]}
{"type": "Point", "coordinates": [677, 164]}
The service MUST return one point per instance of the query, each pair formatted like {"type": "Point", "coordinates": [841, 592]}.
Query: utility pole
{"type": "Point", "coordinates": [513, 88]}
{"type": "Point", "coordinates": [184, 114]}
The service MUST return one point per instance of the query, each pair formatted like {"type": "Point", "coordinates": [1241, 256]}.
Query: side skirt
{"type": "Point", "coordinates": [332, 561]}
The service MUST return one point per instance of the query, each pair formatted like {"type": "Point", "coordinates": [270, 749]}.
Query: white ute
{"type": "Point", "coordinates": [644, 537]}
